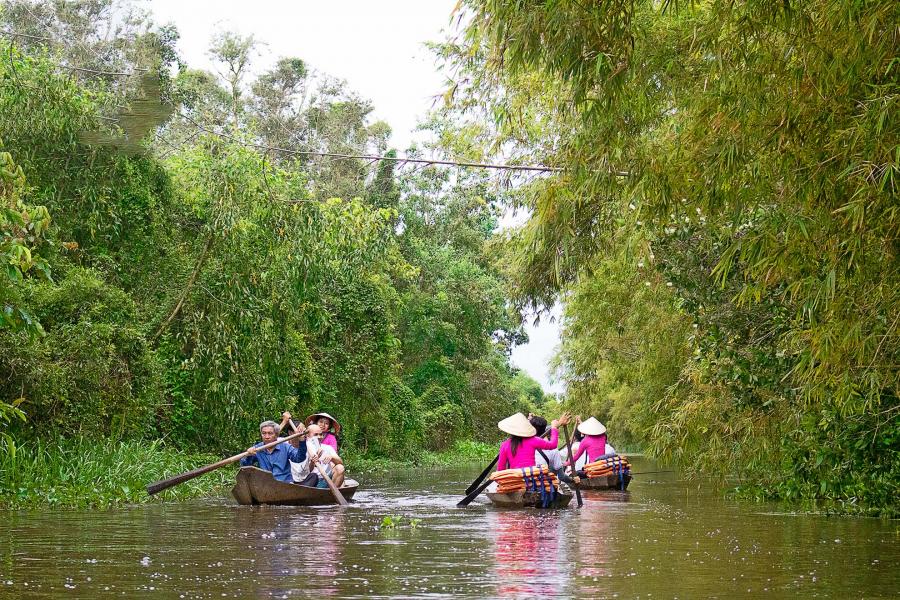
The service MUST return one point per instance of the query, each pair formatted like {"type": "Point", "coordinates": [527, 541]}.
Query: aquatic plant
{"type": "Point", "coordinates": [395, 522]}
{"type": "Point", "coordinates": [84, 472]}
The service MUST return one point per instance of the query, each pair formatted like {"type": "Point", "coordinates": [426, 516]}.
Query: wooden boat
{"type": "Point", "coordinates": [523, 499]}
{"type": "Point", "coordinates": [255, 486]}
{"type": "Point", "coordinates": [609, 482]}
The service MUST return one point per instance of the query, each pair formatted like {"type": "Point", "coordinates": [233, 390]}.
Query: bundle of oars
{"type": "Point", "coordinates": [530, 478]}
{"type": "Point", "coordinates": [607, 466]}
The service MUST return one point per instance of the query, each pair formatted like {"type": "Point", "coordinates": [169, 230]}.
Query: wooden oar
{"type": "Point", "coordinates": [167, 483]}
{"type": "Point", "coordinates": [571, 460]}
{"type": "Point", "coordinates": [475, 493]}
{"type": "Point", "coordinates": [481, 477]}
{"type": "Point", "coordinates": [334, 489]}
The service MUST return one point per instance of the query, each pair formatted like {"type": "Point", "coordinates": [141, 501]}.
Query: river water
{"type": "Point", "coordinates": [663, 538]}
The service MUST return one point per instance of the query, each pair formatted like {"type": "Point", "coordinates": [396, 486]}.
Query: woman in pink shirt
{"type": "Point", "coordinates": [594, 442]}
{"type": "Point", "coordinates": [326, 423]}
{"type": "Point", "coordinates": [519, 450]}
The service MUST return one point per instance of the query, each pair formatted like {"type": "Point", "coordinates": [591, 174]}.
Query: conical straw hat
{"type": "Point", "coordinates": [311, 418]}
{"type": "Point", "coordinates": [592, 427]}
{"type": "Point", "coordinates": [517, 425]}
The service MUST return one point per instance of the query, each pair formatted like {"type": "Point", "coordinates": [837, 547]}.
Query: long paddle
{"type": "Point", "coordinates": [334, 489]}
{"type": "Point", "coordinates": [571, 460]}
{"type": "Point", "coordinates": [167, 483]}
{"type": "Point", "coordinates": [481, 477]}
{"type": "Point", "coordinates": [475, 493]}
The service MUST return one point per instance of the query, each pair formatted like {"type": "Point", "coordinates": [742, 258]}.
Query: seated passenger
{"type": "Point", "coordinates": [519, 450]}
{"type": "Point", "coordinates": [577, 436]}
{"type": "Point", "coordinates": [305, 472]}
{"type": "Point", "coordinates": [276, 459]}
{"type": "Point", "coordinates": [328, 424]}
{"type": "Point", "coordinates": [554, 456]}
{"type": "Point", "coordinates": [594, 442]}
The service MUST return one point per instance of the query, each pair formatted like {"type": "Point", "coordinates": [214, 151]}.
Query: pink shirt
{"type": "Point", "coordinates": [330, 440]}
{"type": "Point", "coordinates": [594, 445]}
{"type": "Point", "coordinates": [524, 456]}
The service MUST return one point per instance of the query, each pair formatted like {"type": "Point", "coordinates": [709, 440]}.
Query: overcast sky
{"type": "Point", "coordinates": [378, 47]}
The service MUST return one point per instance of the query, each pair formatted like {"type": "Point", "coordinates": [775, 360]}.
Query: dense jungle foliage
{"type": "Point", "coordinates": [170, 274]}
{"type": "Point", "coordinates": [721, 228]}
{"type": "Point", "coordinates": [724, 231]}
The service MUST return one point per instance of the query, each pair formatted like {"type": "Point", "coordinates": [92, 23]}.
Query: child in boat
{"type": "Point", "coordinates": [326, 457]}
{"type": "Point", "coordinates": [594, 443]}
{"type": "Point", "coordinates": [519, 450]}
{"type": "Point", "coordinates": [328, 424]}
{"type": "Point", "coordinates": [305, 473]}
{"type": "Point", "coordinates": [324, 421]}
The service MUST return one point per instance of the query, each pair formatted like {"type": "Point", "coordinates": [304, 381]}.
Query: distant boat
{"type": "Point", "coordinates": [612, 481]}
{"type": "Point", "coordinates": [256, 486]}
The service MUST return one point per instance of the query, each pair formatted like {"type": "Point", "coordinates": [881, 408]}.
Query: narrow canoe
{"type": "Point", "coordinates": [256, 486]}
{"type": "Point", "coordinates": [523, 499]}
{"type": "Point", "coordinates": [609, 482]}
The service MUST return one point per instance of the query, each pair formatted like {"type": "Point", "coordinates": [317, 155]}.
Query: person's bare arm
{"type": "Point", "coordinates": [285, 419]}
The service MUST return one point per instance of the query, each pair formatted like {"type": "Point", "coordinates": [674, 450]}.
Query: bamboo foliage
{"type": "Point", "coordinates": [756, 142]}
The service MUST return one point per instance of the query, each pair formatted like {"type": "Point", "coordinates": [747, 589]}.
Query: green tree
{"type": "Point", "coordinates": [233, 52]}
{"type": "Point", "coordinates": [22, 231]}
{"type": "Point", "coordinates": [752, 147]}
{"type": "Point", "coordinates": [210, 281]}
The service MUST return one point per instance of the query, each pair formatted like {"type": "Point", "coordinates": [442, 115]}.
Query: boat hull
{"type": "Point", "coordinates": [609, 482]}
{"type": "Point", "coordinates": [523, 499]}
{"type": "Point", "coordinates": [255, 486]}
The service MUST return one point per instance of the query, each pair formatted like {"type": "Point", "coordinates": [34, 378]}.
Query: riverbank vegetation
{"type": "Point", "coordinates": [172, 275]}
{"type": "Point", "coordinates": [83, 472]}
{"type": "Point", "coordinates": [723, 230]}
{"type": "Point", "coordinates": [182, 261]}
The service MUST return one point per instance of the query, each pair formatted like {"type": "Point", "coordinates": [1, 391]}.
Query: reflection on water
{"type": "Point", "coordinates": [595, 530]}
{"type": "Point", "coordinates": [661, 539]}
{"type": "Point", "coordinates": [527, 559]}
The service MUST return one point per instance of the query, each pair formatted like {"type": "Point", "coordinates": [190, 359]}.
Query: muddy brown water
{"type": "Point", "coordinates": [664, 538]}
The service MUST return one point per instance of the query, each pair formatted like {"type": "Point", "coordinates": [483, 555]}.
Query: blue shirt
{"type": "Point", "coordinates": [277, 460]}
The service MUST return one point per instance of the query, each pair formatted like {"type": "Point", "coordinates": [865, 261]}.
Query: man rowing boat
{"type": "Point", "coordinates": [277, 459]}
{"type": "Point", "coordinates": [554, 456]}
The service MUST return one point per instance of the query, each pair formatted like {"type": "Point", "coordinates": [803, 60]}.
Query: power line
{"type": "Point", "coordinates": [335, 155]}
{"type": "Point", "coordinates": [26, 36]}
{"type": "Point", "coordinates": [372, 157]}
{"type": "Point", "coordinates": [72, 67]}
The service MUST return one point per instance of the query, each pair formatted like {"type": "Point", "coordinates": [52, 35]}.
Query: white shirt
{"type": "Point", "coordinates": [554, 456]}
{"type": "Point", "coordinates": [300, 471]}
